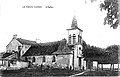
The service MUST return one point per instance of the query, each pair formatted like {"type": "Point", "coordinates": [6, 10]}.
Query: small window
{"type": "Point", "coordinates": [79, 48]}
{"type": "Point", "coordinates": [19, 48]}
{"type": "Point", "coordinates": [33, 59]}
{"type": "Point", "coordinates": [22, 52]}
{"type": "Point", "coordinates": [53, 60]}
{"type": "Point", "coordinates": [43, 58]}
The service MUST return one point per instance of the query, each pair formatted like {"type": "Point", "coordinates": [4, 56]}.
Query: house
{"type": "Point", "coordinates": [66, 53]}
{"type": "Point", "coordinates": [14, 51]}
{"type": "Point", "coordinates": [19, 45]}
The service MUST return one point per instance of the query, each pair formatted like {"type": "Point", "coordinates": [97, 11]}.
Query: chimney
{"type": "Point", "coordinates": [15, 36]}
{"type": "Point", "coordinates": [38, 40]}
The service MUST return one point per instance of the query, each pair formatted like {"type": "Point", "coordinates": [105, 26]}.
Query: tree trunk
{"type": "Point", "coordinates": [2, 62]}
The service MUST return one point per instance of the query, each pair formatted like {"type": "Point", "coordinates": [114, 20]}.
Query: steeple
{"type": "Point", "coordinates": [74, 22]}
{"type": "Point", "coordinates": [74, 33]}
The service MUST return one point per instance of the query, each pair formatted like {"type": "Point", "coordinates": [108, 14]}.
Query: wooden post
{"type": "Point", "coordinates": [102, 66]}
{"type": "Point", "coordinates": [118, 66]}
{"type": "Point", "coordinates": [97, 66]}
{"type": "Point", "coordinates": [110, 66]}
{"type": "Point", "coordinates": [90, 61]}
{"type": "Point", "coordinates": [113, 66]}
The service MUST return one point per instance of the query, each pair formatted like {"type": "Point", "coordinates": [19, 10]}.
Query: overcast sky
{"type": "Point", "coordinates": [50, 24]}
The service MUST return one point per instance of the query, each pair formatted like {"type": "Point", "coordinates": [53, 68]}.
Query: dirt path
{"type": "Point", "coordinates": [78, 74]}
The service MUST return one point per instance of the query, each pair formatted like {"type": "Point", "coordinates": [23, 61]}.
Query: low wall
{"type": "Point", "coordinates": [19, 64]}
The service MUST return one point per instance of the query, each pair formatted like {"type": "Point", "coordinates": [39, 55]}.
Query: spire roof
{"type": "Point", "coordinates": [74, 24]}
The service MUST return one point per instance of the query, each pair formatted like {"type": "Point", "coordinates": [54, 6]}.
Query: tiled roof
{"type": "Point", "coordinates": [41, 50]}
{"type": "Point", "coordinates": [48, 43]}
{"type": "Point", "coordinates": [48, 48]}
{"type": "Point", "coordinates": [75, 28]}
{"type": "Point", "coordinates": [65, 50]}
{"type": "Point", "coordinates": [27, 42]}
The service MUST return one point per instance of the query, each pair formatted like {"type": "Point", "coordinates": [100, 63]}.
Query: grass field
{"type": "Point", "coordinates": [58, 72]}
{"type": "Point", "coordinates": [101, 73]}
{"type": "Point", "coordinates": [38, 72]}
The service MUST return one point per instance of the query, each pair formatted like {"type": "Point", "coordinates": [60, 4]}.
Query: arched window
{"type": "Point", "coordinates": [33, 59]}
{"type": "Point", "coordinates": [74, 38]}
{"type": "Point", "coordinates": [69, 40]}
{"type": "Point", "coordinates": [44, 58]}
{"type": "Point", "coordinates": [79, 38]}
{"type": "Point", "coordinates": [26, 59]}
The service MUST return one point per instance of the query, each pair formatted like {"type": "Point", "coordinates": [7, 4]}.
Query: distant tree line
{"type": "Point", "coordinates": [109, 55]}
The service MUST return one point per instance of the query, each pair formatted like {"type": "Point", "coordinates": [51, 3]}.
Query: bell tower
{"type": "Point", "coordinates": [75, 41]}
{"type": "Point", "coordinates": [74, 33]}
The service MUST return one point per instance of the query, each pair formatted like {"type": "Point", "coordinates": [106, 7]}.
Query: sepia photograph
{"type": "Point", "coordinates": [73, 38]}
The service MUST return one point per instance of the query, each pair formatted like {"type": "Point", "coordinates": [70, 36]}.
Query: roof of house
{"type": "Point", "coordinates": [27, 42]}
{"type": "Point", "coordinates": [6, 55]}
{"type": "Point", "coordinates": [57, 47]}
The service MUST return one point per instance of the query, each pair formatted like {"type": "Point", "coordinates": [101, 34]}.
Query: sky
{"type": "Point", "coordinates": [50, 24]}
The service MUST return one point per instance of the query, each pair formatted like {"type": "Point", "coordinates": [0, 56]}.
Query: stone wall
{"type": "Point", "coordinates": [63, 60]}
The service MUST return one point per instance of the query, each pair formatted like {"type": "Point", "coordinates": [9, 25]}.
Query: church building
{"type": "Point", "coordinates": [63, 52]}
{"type": "Point", "coordinates": [75, 40]}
